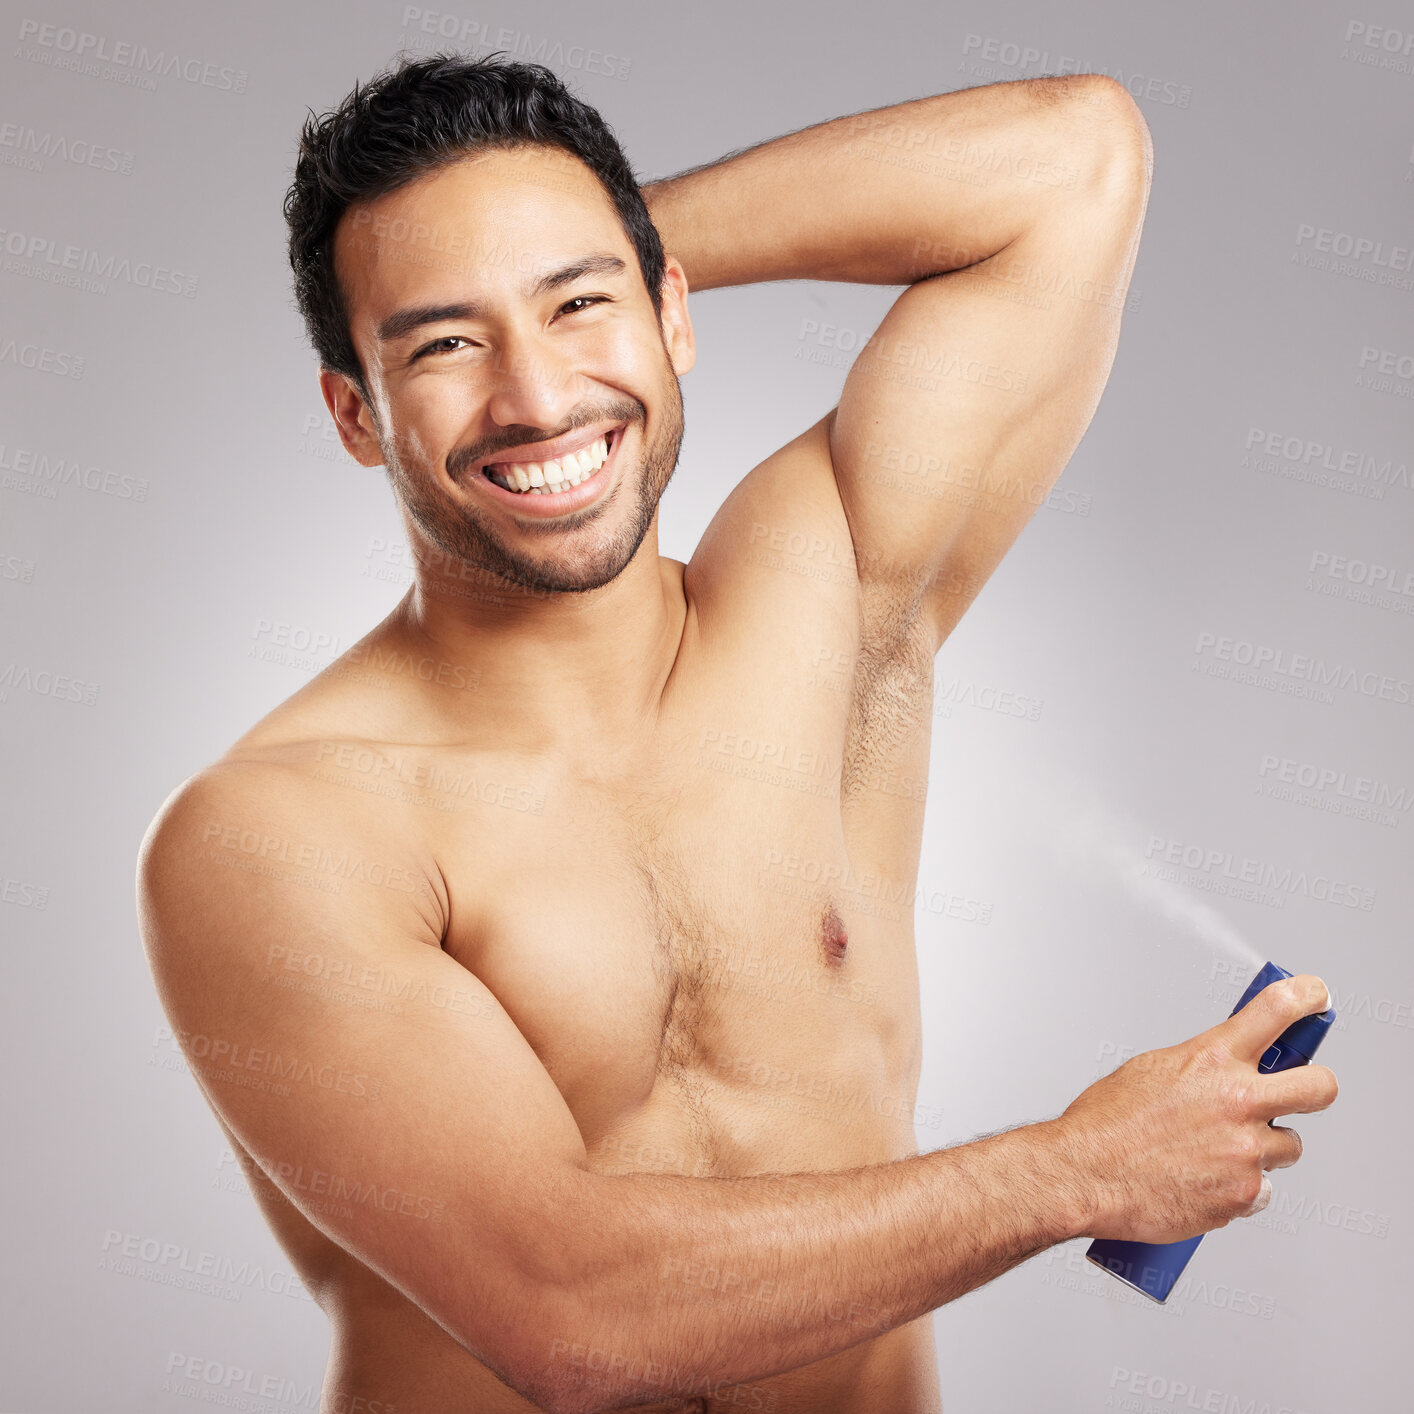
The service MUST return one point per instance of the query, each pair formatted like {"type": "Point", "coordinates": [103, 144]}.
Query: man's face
{"type": "Point", "coordinates": [500, 316]}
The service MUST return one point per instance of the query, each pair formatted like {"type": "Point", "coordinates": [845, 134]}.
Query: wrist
{"type": "Point", "coordinates": [1061, 1163]}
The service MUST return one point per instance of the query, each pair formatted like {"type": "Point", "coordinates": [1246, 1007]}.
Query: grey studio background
{"type": "Point", "coordinates": [1172, 735]}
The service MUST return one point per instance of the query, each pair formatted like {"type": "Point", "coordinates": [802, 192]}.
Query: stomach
{"type": "Point", "coordinates": [387, 1356]}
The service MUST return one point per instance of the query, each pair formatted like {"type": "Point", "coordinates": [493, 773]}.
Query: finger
{"type": "Point", "coordinates": [1302, 1090]}
{"type": "Point", "coordinates": [1262, 1198]}
{"type": "Point", "coordinates": [1281, 1148]}
{"type": "Point", "coordinates": [1254, 1028]}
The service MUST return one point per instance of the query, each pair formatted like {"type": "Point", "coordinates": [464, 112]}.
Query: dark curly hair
{"type": "Point", "coordinates": [413, 118]}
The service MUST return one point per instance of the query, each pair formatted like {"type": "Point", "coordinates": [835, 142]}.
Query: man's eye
{"type": "Point", "coordinates": [437, 345]}
{"type": "Point", "coordinates": [585, 300]}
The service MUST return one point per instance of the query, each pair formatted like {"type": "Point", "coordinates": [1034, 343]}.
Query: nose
{"type": "Point", "coordinates": [533, 384]}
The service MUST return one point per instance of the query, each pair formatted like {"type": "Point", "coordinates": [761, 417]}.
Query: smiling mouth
{"type": "Point", "coordinates": [547, 477]}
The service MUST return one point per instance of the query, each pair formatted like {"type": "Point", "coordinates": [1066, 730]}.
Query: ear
{"type": "Point", "coordinates": [678, 337]}
{"type": "Point", "coordinates": [352, 417]}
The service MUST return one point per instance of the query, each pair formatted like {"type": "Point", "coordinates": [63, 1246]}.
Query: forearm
{"type": "Point", "coordinates": [895, 194]}
{"type": "Point", "coordinates": [731, 1280]}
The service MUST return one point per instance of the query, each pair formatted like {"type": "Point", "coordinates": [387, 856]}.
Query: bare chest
{"type": "Point", "coordinates": [709, 947]}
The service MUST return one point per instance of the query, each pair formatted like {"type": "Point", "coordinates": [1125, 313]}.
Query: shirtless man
{"type": "Point", "coordinates": [563, 1084]}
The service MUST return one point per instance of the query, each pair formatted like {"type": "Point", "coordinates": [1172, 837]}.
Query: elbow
{"type": "Point", "coordinates": [1120, 145]}
{"type": "Point", "coordinates": [559, 1351]}
{"type": "Point", "coordinates": [550, 1396]}
{"type": "Point", "coordinates": [563, 1367]}
{"type": "Point", "coordinates": [572, 1400]}
{"type": "Point", "coordinates": [547, 1352]}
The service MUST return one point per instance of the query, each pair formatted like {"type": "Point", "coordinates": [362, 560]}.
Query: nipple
{"type": "Point", "coordinates": [833, 937]}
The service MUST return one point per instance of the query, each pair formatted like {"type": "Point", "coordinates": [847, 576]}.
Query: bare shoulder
{"type": "Point", "coordinates": [254, 843]}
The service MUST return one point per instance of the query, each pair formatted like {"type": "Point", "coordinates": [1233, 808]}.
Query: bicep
{"type": "Point", "coordinates": [379, 1084]}
{"type": "Point", "coordinates": [965, 406]}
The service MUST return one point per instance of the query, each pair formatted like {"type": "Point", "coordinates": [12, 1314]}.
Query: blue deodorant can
{"type": "Point", "coordinates": [1152, 1268]}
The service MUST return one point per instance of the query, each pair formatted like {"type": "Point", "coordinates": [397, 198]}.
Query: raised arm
{"type": "Point", "coordinates": [1012, 212]}
{"type": "Point", "coordinates": [581, 1290]}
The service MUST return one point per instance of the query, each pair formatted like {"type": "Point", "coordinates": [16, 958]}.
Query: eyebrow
{"type": "Point", "coordinates": [403, 322]}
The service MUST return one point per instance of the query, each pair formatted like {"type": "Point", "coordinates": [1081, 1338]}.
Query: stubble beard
{"type": "Point", "coordinates": [593, 561]}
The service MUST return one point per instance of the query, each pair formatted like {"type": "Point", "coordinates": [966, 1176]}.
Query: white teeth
{"type": "Point", "coordinates": [545, 477]}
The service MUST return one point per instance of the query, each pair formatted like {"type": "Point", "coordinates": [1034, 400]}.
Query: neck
{"type": "Point", "coordinates": [572, 674]}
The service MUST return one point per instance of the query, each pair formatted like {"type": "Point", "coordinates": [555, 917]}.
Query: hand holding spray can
{"type": "Point", "coordinates": [1153, 1268]}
